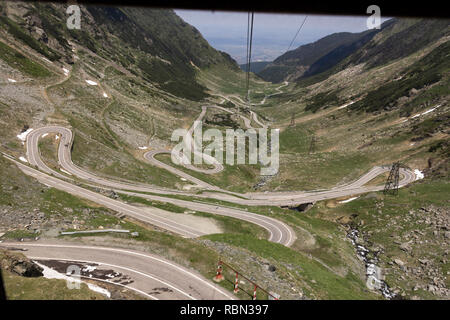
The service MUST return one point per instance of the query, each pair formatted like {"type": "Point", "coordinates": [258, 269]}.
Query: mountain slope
{"type": "Point", "coordinates": [125, 81]}
{"type": "Point", "coordinates": [295, 63]}
{"type": "Point", "coordinates": [255, 66]}
{"type": "Point", "coordinates": [128, 76]}
{"type": "Point", "coordinates": [400, 39]}
{"type": "Point", "coordinates": [373, 107]}
{"type": "Point", "coordinates": [137, 38]}
{"type": "Point", "coordinates": [397, 38]}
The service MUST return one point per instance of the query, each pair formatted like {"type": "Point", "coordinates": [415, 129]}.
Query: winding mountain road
{"type": "Point", "coordinates": [149, 272]}
{"type": "Point", "coordinates": [278, 231]}
{"type": "Point", "coordinates": [278, 89]}
{"type": "Point", "coordinates": [141, 214]}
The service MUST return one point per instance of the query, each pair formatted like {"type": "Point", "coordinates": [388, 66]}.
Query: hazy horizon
{"type": "Point", "coordinates": [272, 33]}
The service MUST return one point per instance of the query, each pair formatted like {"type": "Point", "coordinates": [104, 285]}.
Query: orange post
{"type": "Point", "coordinates": [254, 292]}
{"type": "Point", "coordinates": [236, 289]}
{"type": "Point", "coordinates": [219, 276]}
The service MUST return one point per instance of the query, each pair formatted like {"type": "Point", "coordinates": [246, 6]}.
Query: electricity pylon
{"type": "Point", "coordinates": [391, 185]}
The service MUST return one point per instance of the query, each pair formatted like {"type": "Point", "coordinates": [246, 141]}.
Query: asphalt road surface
{"type": "Point", "coordinates": [153, 277]}
{"type": "Point", "coordinates": [285, 198]}
{"type": "Point", "coordinates": [278, 231]}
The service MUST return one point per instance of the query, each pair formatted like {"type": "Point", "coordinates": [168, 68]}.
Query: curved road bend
{"type": "Point", "coordinates": [142, 214]}
{"type": "Point", "coordinates": [65, 161]}
{"type": "Point", "coordinates": [254, 199]}
{"type": "Point", "coordinates": [218, 167]}
{"type": "Point", "coordinates": [148, 271]}
{"type": "Point", "coordinates": [269, 198]}
{"type": "Point", "coordinates": [278, 231]}
{"type": "Point", "coordinates": [355, 187]}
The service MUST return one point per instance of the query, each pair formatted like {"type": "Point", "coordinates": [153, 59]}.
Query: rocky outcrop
{"type": "Point", "coordinates": [19, 264]}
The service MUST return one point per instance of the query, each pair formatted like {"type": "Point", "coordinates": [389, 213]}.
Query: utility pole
{"type": "Point", "coordinates": [292, 120]}
{"type": "Point", "coordinates": [391, 185]}
{"type": "Point", "coordinates": [312, 146]}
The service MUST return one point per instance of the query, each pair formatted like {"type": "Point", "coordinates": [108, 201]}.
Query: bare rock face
{"type": "Point", "coordinates": [26, 268]}
{"type": "Point", "coordinates": [19, 264]}
{"type": "Point", "coordinates": [39, 34]}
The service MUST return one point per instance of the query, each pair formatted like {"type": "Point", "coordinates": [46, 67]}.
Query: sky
{"type": "Point", "coordinates": [272, 33]}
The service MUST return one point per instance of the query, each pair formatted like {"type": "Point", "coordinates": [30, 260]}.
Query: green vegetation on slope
{"type": "Point", "coordinates": [18, 61]}
{"type": "Point", "coordinates": [19, 34]}
{"type": "Point", "coordinates": [323, 283]}
{"type": "Point", "coordinates": [427, 71]}
{"type": "Point", "coordinates": [410, 219]}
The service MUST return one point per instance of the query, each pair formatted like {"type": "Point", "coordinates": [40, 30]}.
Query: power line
{"type": "Point", "coordinates": [247, 67]}
{"type": "Point", "coordinates": [249, 49]}
{"type": "Point", "coordinates": [248, 38]}
{"type": "Point", "coordinates": [304, 20]}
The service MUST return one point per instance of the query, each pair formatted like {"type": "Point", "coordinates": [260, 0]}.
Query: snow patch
{"type": "Point", "coordinates": [23, 159]}
{"type": "Point", "coordinates": [56, 137]}
{"type": "Point", "coordinates": [11, 80]}
{"type": "Point", "coordinates": [92, 83]}
{"type": "Point", "coordinates": [431, 110]}
{"type": "Point", "coordinates": [66, 71]}
{"type": "Point", "coordinates": [143, 148]}
{"type": "Point", "coordinates": [49, 273]}
{"type": "Point", "coordinates": [346, 105]}
{"type": "Point", "coordinates": [419, 174]}
{"type": "Point", "coordinates": [425, 112]}
{"type": "Point", "coordinates": [44, 135]}
{"type": "Point", "coordinates": [23, 136]}
{"type": "Point", "coordinates": [89, 268]}
{"type": "Point", "coordinates": [105, 95]}
{"type": "Point", "coordinates": [348, 200]}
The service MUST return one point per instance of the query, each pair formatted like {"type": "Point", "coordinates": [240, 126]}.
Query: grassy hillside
{"type": "Point", "coordinates": [431, 73]}
{"type": "Point", "coordinates": [131, 76]}
{"type": "Point", "coordinates": [397, 39]}
{"type": "Point", "coordinates": [255, 66]}
{"type": "Point", "coordinates": [146, 65]}
{"type": "Point", "coordinates": [315, 57]}
{"type": "Point", "coordinates": [406, 231]}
